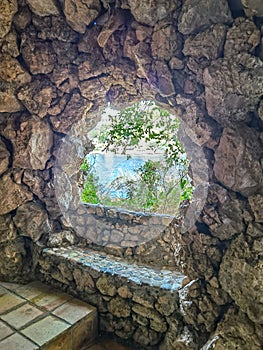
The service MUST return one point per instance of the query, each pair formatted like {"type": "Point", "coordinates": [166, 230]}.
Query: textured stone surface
{"type": "Point", "coordinates": [45, 8]}
{"type": "Point", "coordinates": [208, 44]}
{"type": "Point", "coordinates": [10, 45]}
{"type": "Point", "coordinates": [12, 76]}
{"type": "Point", "coordinates": [12, 195]}
{"type": "Point", "coordinates": [37, 96]}
{"type": "Point", "coordinates": [32, 144]}
{"type": "Point", "coordinates": [199, 128]}
{"type": "Point", "coordinates": [4, 157]}
{"type": "Point", "coordinates": [256, 204]}
{"type": "Point", "coordinates": [7, 10]}
{"type": "Point", "coordinates": [233, 87]}
{"type": "Point", "coordinates": [253, 7]}
{"type": "Point", "coordinates": [166, 41]}
{"type": "Point", "coordinates": [243, 36]}
{"type": "Point", "coordinates": [241, 274]}
{"type": "Point", "coordinates": [239, 149]}
{"type": "Point", "coordinates": [224, 213]}
{"type": "Point", "coordinates": [235, 331]}
{"type": "Point", "coordinates": [32, 221]}
{"type": "Point", "coordinates": [7, 229]}
{"type": "Point", "coordinates": [72, 111]}
{"type": "Point", "coordinates": [150, 12]}
{"type": "Point", "coordinates": [198, 15]}
{"type": "Point", "coordinates": [38, 55]}
{"type": "Point", "coordinates": [12, 261]}
{"type": "Point", "coordinates": [80, 14]}
{"type": "Point", "coordinates": [60, 68]}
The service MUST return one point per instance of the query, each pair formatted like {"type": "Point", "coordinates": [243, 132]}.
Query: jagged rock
{"type": "Point", "coordinates": [7, 229]}
{"type": "Point", "coordinates": [60, 239]}
{"type": "Point", "coordinates": [12, 261]}
{"type": "Point", "coordinates": [12, 76]}
{"type": "Point", "coordinates": [8, 101]}
{"type": "Point", "coordinates": [73, 112]}
{"type": "Point", "coordinates": [7, 10]}
{"type": "Point", "coordinates": [166, 42]}
{"type": "Point", "coordinates": [54, 28]}
{"type": "Point", "coordinates": [239, 149]}
{"type": "Point", "coordinates": [106, 286]}
{"type": "Point", "coordinates": [32, 221]}
{"type": "Point", "coordinates": [119, 307]}
{"type": "Point", "coordinates": [199, 129]}
{"type": "Point", "coordinates": [199, 15]}
{"type": "Point", "coordinates": [242, 36]}
{"type": "Point", "coordinates": [93, 89]}
{"type": "Point", "coordinates": [253, 7]}
{"type": "Point", "coordinates": [4, 157]}
{"type": "Point", "coordinates": [22, 19]}
{"type": "Point", "coordinates": [32, 145]}
{"type": "Point", "coordinates": [143, 33]}
{"type": "Point", "coordinates": [65, 78]}
{"type": "Point", "coordinates": [38, 55]}
{"type": "Point", "coordinates": [233, 87]}
{"type": "Point", "coordinates": [241, 275]}
{"type": "Point", "coordinates": [159, 76]}
{"type": "Point", "coordinates": [235, 331]}
{"type": "Point", "coordinates": [208, 44]}
{"type": "Point", "coordinates": [145, 336]}
{"type": "Point", "coordinates": [84, 281]}
{"type": "Point", "coordinates": [150, 12]}
{"type": "Point", "coordinates": [223, 213]}
{"type": "Point", "coordinates": [79, 14]}
{"type": "Point", "coordinates": [37, 96]}
{"type": "Point", "coordinates": [43, 8]}
{"type": "Point", "coordinates": [66, 52]}
{"type": "Point", "coordinates": [255, 230]}
{"type": "Point", "coordinates": [176, 63]}
{"type": "Point", "coordinates": [185, 340]}
{"type": "Point", "coordinates": [11, 194]}
{"type": "Point", "coordinates": [256, 204]}
{"type": "Point", "coordinates": [117, 20]}
{"type": "Point", "coordinates": [9, 45]}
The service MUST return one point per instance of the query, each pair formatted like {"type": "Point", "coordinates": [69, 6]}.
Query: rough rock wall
{"type": "Point", "coordinates": [62, 60]}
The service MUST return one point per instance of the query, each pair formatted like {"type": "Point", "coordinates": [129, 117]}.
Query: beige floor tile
{"type": "Point", "coordinates": [2, 291]}
{"type": "Point", "coordinates": [17, 342]}
{"type": "Point", "coordinates": [4, 330]}
{"type": "Point", "coordinates": [22, 315]}
{"type": "Point", "coordinates": [32, 290]}
{"type": "Point", "coordinates": [74, 310]}
{"type": "Point", "coordinates": [41, 332]}
{"type": "Point", "coordinates": [8, 301]}
{"type": "Point", "coordinates": [10, 286]}
{"type": "Point", "coordinates": [51, 300]}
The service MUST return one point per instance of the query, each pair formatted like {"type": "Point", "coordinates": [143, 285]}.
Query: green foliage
{"type": "Point", "coordinates": [89, 194]}
{"type": "Point", "coordinates": [143, 125]}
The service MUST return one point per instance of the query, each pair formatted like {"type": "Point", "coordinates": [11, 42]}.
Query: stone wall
{"type": "Point", "coordinates": [62, 61]}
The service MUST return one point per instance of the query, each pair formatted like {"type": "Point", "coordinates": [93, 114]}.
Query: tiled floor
{"type": "Point", "coordinates": [35, 316]}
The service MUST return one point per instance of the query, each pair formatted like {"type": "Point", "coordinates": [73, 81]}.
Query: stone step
{"type": "Point", "coordinates": [36, 316]}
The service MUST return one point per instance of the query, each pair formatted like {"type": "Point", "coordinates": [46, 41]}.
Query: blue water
{"type": "Point", "coordinates": [108, 167]}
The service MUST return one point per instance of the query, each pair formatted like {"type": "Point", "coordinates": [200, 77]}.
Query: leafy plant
{"type": "Point", "coordinates": [158, 185]}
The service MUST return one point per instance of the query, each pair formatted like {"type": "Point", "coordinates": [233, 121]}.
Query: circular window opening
{"type": "Point", "coordinates": [137, 162]}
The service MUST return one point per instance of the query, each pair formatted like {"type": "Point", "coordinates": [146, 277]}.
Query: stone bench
{"type": "Point", "coordinates": [135, 302]}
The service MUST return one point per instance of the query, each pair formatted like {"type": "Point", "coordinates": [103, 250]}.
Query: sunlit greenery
{"type": "Point", "coordinates": [158, 186]}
